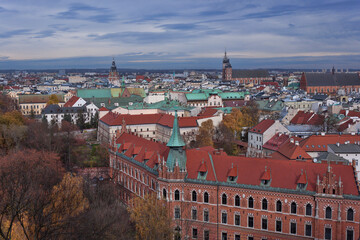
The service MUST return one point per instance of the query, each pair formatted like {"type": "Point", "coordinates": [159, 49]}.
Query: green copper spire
{"type": "Point", "coordinates": [176, 140]}
{"type": "Point", "coordinates": [123, 82]}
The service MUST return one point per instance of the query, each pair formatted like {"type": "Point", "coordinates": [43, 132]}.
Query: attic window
{"type": "Point", "coordinates": [232, 179]}
{"type": "Point", "coordinates": [265, 182]}
{"type": "Point", "coordinates": [134, 155]}
{"type": "Point", "coordinates": [307, 146]}
{"type": "Point", "coordinates": [301, 186]}
{"type": "Point", "coordinates": [202, 174]}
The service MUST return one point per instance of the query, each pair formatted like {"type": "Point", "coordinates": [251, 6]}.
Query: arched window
{"type": "Point", "coordinates": [328, 213]}
{"type": "Point", "coordinates": [278, 206]}
{"type": "Point", "coordinates": [350, 214]}
{"type": "Point", "coordinates": [251, 202]}
{"type": "Point", "coordinates": [193, 196]}
{"type": "Point", "coordinates": [308, 209]}
{"type": "Point", "coordinates": [164, 193]}
{"type": "Point", "coordinates": [264, 204]}
{"type": "Point", "coordinates": [206, 197]}
{"type": "Point", "coordinates": [177, 195]}
{"type": "Point", "coordinates": [224, 199]}
{"type": "Point", "coordinates": [237, 201]}
{"type": "Point", "coordinates": [293, 208]}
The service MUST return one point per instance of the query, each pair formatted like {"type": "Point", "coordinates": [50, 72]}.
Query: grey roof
{"type": "Point", "coordinates": [329, 79]}
{"type": "Point", "coordinates": [328, 156]}
{"type": "Point", "coordinates": [54, 108]}
{"type": "Point", "coordinates": [259, 73]}
{"type": "Point", "coordinates": [345, 148]}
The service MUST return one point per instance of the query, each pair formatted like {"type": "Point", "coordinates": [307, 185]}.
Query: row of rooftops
{"type": "Point", "coordinates": [218, 167]}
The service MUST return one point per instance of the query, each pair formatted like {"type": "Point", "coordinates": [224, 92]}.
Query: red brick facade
{"type": "Point", "coordinates": [224, 210]}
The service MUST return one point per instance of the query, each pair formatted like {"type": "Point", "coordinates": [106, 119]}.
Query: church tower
{"type": "Point", "coordinates": [226, 69]}
{"type": "Point", "coordinates": [114, 77]}
{"type": "Point", "coordinates": [177, 153]}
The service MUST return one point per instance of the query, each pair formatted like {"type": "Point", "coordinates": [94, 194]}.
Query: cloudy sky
{"type": "Point", "coordinates": [159, 34]}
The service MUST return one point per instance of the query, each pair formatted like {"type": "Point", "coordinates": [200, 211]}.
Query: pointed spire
{"type": "Point", "coordinates": [176, 140]}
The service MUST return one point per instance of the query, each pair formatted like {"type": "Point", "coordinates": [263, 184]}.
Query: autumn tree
{"type": "Point", "coordinates": [38, 202]}
{"type": "Point", "coordinates": [239, 120]}
{"type": "Point", "coordinates": [205, 134]}
{"type": "Point", "coordinates": [12, 130]}
{"type": "Point", "coordinates": [151, 218]}
{"type": "Point", "coordinates": [53, 99]}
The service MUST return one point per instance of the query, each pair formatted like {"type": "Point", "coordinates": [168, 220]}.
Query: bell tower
{"type": "Point", "coordinates": [226, 68]}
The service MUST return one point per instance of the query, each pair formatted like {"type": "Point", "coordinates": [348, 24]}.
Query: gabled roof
{"type": "Point", "coordinates": [266, 175]}
{"type": "Point", "coordinates": [307, 118]}
{"type": "Point", "coordinates": [71, 101]}
{"type": "Point", "coordinates": [293, 151]}
{"type": "Point", "coordinates": [276, 141]}
{"type": "Point", "coordinates": [262, 126]}
{"type": "Point", "coordinates": [302, 179]}
{"type": "Point", "coordinates": [103, 109]}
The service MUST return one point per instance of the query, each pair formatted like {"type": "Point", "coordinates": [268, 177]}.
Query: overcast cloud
{"type": "Point", "coordinates": [179, 34]}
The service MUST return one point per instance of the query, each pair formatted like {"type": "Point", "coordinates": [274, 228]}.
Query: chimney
{"type": "Point", "coordinates": [291, 140]}
{"type": "Point", "coordinates": [338, 144]}
{"type": "Point", "coordinates": [322, 133]}
{"type": "Point", "coordinates": [297, 143]}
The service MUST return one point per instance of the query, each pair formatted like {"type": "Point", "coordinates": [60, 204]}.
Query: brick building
{"type": "Point", "coordinates": [243, 76]}
{"type": "Point", "coordinates": [211, 195]}
{"type": "Point", "coordinates": [330, 82]}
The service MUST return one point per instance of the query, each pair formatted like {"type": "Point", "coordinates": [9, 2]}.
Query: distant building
{"type": "Point", "coordinates": [114, 77]}
{"type": "Point", "coordinates": [243, 76]}
{"type": "Point", "coordinates": [35, 103]}
{"type": "Point", "coordinates": [332, 82]}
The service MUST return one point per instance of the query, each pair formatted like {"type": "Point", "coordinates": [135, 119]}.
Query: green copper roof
{"type": "Point", "coordinates": [176, 139]}
{"type": "Point", "coordinates": [196, 96]}
{"type": "Point", "coordinates": [96, 93]}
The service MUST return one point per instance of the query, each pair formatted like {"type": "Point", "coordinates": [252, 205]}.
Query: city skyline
{"type": "Point", "coordinates": [186, 34]}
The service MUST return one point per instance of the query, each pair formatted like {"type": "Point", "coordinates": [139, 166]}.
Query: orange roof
{"type": "Point", "coordinates": [233, 172]}
{"type": "Point", "coordinates": [71, 101]}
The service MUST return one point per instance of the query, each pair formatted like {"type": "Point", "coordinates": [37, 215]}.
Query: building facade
{"type": "Point", "coordinates": [214, 196]}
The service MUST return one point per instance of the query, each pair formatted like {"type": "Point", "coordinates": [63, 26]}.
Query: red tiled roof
{"type": "Point", "coordinates": [307, 118]}
{"type": "Point", "coordinates": [276, 141]}
{"type": "Point", "coordinates": [344, 124]}
{"type": "Point", "coordinates": [202, 167]}
{"type": "Point", "coordinates": [232, 172]}
{"type": "Point", "coordinates": [284, 174]}
{"type": "Point", "coordinates": [208, 112]}
{"type": "Point", "coordinates": [318, 143]}
{"type": "Point", "coordinates": [262, 126]}
{"type": "Point", "coordinates": [292, 151]}
{"type": "Point", "coordinates": [103, 109]}
{"type": "Point", "coordinates": [350, 113]}
{"type": "Point", "coordinates": [167, 120]}
{"type": "Point", "coordinates": [266, 175]}
{"type": "Point", "coordinates": [249, 171]}
{"type": "Point", "coordinates": [71, 101]}
{"type": "Point", "coordinates": [302, 178]}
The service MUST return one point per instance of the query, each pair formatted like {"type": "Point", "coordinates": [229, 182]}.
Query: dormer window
{"type": "Point", "coordinates": [134, 155]}
{"type": "Point", "coordinates": [301, 186]}
{"type": "Point", "coordinates": [232, 178]}
{"type": "Point", "coordinates": [302, 181]}
{"type": "Point", "coordinates": [266, 177]}
{"type": "Point", "coordinates": [202, 172]}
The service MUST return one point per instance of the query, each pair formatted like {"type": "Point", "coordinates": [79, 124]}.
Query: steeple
{"type": "Point", "coordinates": [177, 155]}
{"type": "Point", "coordinates": [113, 66]}
{"type": "Point", "coordinates": [176, 140]}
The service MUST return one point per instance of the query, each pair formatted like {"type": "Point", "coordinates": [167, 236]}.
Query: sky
{"type": "Point", "coordinates": [169, 34]}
